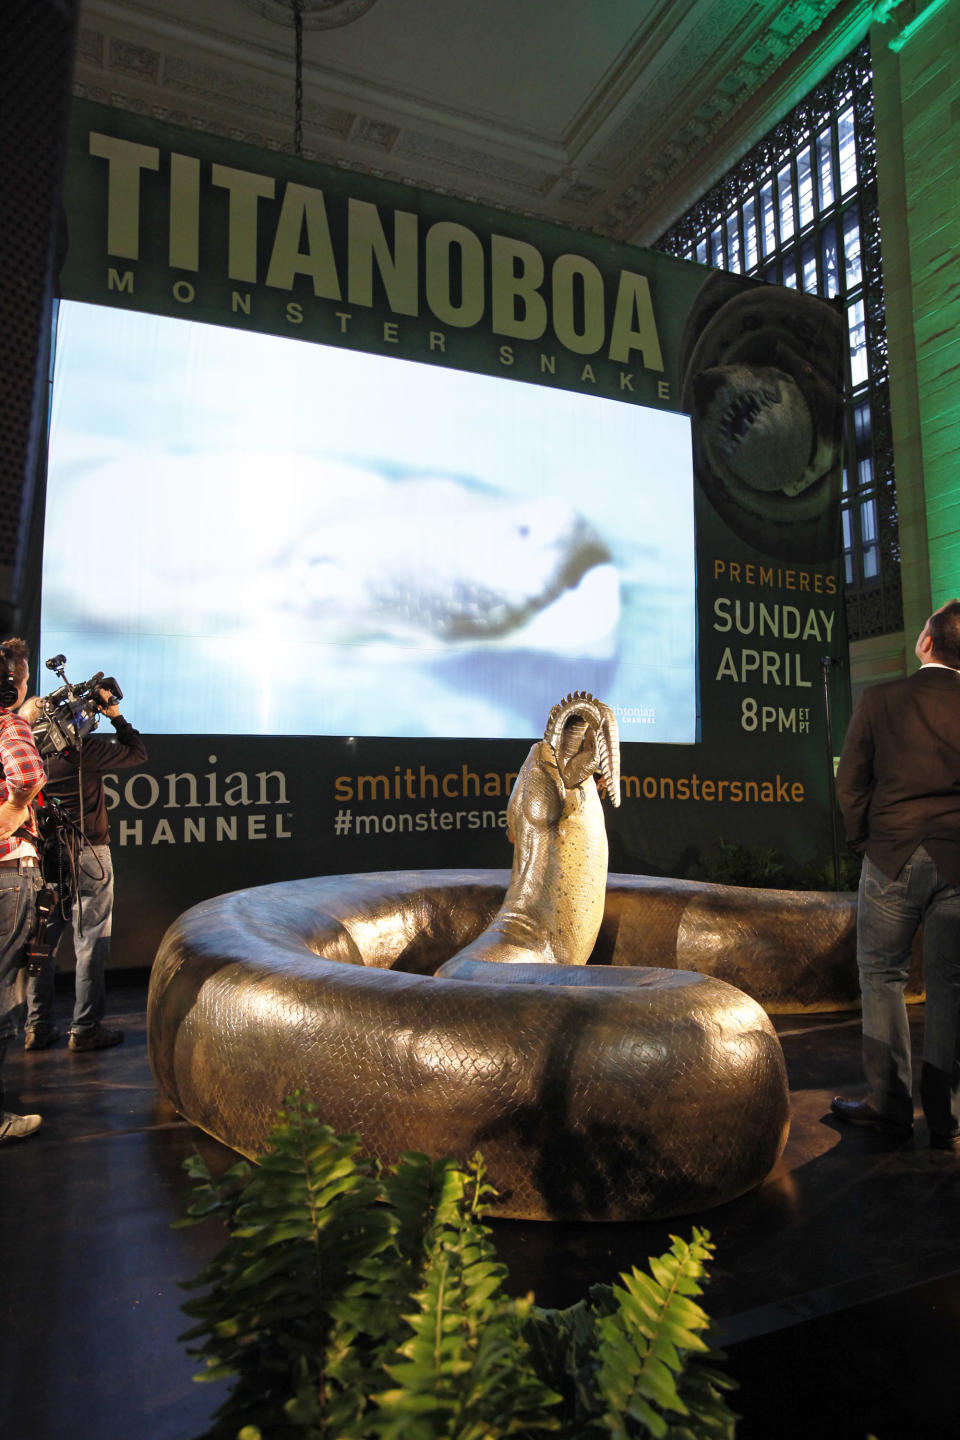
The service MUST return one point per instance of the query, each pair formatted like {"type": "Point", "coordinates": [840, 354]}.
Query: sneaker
{"type": "Point", "coordinates": [40, 1036]}
{"type": "Point", "coordinates": [17, 1127]}
{"type": "Point", "coordinates": [99, 1037]}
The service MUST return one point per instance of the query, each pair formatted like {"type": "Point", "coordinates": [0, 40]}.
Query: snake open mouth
{"type": "Point", "coordinates": [741, 412]}
{"type": "Point", "coordinates": [756, 429]}
{"type": "Point", "coordinates": [481, 613]}
{"type": "Point", "coordinates": [762, 382]}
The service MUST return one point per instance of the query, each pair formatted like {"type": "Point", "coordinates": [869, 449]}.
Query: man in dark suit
{"type": "Point", "coordinates": [898, 783]}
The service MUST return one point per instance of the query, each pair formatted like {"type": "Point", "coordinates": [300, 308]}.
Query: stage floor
{"type": "Point", "coordinates": [836, 1284]}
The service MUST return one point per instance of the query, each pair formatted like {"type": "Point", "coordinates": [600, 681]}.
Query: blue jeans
{"type": "Point", "coordinates": [889, 913]}
{"type": "Point", "coordinates": [18, 921]}
{"type": "Point", "coordinates": [92, 948]}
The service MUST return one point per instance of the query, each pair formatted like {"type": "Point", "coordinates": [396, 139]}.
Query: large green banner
{"type": "Point", "coordinates": [197, 227]}
{"type": "Point", "coordinates": [192, 226]}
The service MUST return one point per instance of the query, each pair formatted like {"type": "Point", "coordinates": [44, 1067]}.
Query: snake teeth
{"type": "Point", "coordinates": [603, 721]}
{"type": "Point", "coordinates": [609, 739]}
{"type": "Point", "coordinates": [577, 702]}
{"type": "Point", "coordinates": [568, 705]}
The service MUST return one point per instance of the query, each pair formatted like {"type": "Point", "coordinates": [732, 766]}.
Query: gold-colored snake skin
{"type": "Point", "coordinates": [661, 1095]}
{"type": "Point", "coordinates": [553, 908]}
{"type": "Point", "coordinates": [448, 1012]}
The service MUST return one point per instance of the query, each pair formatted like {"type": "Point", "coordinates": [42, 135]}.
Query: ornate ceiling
{"type": "Point", "coordinates": [609, 115]}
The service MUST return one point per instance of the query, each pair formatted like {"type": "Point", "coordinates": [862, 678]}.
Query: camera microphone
{"type": "Point", "coordinates": [55, 662]}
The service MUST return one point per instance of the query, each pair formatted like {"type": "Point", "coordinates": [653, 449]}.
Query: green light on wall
{"type": "Point", "coordinates": [914, 26]}
{"type": "Point", "coordinates": [945, 566]}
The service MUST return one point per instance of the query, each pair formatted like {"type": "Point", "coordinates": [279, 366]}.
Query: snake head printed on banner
{"type": "Point", "coordinates": [762, 383]}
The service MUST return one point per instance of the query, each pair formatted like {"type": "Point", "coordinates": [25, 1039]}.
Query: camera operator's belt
{"type": "Point", "coordinates": [25, 862]}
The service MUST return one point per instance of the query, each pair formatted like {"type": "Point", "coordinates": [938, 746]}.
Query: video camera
{"type": "Point", "coordinates": [67, 717]}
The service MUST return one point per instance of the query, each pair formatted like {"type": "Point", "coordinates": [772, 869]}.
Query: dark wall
{"type": "Point", "coordinates": [38, 43]}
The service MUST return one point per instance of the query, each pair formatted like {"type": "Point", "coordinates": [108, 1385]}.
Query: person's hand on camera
{"type": "Point", "coordinates": [111, 711]}
{"type": "Point", "coordinates": [30, 709]}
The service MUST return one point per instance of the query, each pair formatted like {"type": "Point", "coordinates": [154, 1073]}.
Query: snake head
{"type": "Point", "coordinates": [585, 739]}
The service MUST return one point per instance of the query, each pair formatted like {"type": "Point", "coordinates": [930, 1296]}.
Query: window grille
{"type": "Point", "coordinates": [801, 210]}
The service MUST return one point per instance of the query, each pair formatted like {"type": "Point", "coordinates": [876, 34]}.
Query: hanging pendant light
{"type": "Point", "coordinates": [298, 82]}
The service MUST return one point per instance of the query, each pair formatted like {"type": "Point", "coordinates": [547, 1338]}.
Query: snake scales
{"type": "Point", "coordinates": [627, 1095]}
{"type": "Point", "coordinates": [445, 1013]}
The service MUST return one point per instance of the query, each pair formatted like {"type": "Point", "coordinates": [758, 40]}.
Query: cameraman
{"type": "Point", "coordinates": [21, 779]}
{"type": "Point", "coordinates": [75, 779]}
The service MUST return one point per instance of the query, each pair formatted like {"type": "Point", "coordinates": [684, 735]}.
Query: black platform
{"type": "Point", "coordinates": [836, 1284]}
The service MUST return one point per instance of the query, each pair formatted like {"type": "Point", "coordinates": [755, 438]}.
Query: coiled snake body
{"type": "Point", "coordinates": [446, 1013]}
{"type": "Point", "coordinates": [616, 1093]}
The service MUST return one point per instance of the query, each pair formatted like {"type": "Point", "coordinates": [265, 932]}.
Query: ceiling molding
{"type": "Point", "coordinates": [315, 14]}
{"type": "Point", "coordinates": [618, 137]}
{"type": "Point", "coordinates": [703, 166]}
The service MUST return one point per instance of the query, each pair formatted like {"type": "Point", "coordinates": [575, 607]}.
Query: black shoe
{"type": "Point", "coordinates": [98, 1038]}
{"type": "Point", "coordinates": [861, 1112]}
{"type": "Point", "coordinates": [40, 1036]}
{"type": "Point", "coordinates": [945, 1139]}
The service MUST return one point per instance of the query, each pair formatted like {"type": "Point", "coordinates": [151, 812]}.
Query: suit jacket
{"type": "Point", "coordinates": [898, 781]}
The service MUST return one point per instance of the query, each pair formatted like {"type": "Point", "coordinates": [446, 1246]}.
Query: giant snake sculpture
{"type": "Point", "coordinates": [437, 1012]}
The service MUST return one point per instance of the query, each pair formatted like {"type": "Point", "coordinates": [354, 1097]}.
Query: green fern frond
{"type": "Point", "coordinates": [463, 1372]}
{"type": "Point", "coordinates": [307, 1217]}
{"type": "Point", "coordinates": [645, 1376]}
{"type": "Point", "coordinates": [212, 1197]}
{"type": "Point", "coordinates": [351, 1304]}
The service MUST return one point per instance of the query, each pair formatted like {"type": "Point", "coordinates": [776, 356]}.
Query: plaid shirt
{"type": "Point", "coordinates": [22, 768]}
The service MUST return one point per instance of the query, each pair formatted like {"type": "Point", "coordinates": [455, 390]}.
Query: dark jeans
{"type": "Point", "coordinates": [889, 914]}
